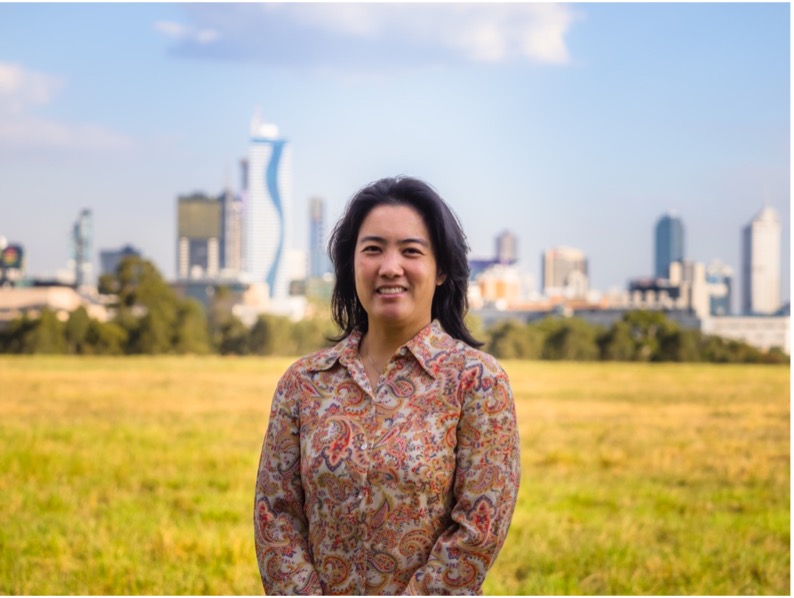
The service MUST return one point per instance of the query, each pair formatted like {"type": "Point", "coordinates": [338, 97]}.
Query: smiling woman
{"type": "Point", "coordinates": [391, 461]}
{"type": "Point", "coordinates": [396, 278]}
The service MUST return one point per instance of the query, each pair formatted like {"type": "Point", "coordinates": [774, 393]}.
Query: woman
{"type": "Point", "coordinates": [391, 461]}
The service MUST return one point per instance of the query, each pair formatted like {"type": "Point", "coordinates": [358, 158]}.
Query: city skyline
{"type": "Point", "coordinates": [632, 111]}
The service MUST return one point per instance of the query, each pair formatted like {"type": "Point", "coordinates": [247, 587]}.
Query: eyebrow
{"type": "Point", "coordinates": [378, 239]}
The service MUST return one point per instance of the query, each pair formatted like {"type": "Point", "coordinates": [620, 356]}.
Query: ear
{"type": "Point", "coordinates": [440, 279]}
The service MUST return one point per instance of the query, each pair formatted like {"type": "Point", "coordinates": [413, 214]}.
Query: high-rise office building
{"type": "Point", "coordinates": [231, 250]}
{"type": "Point", "coordinates": [761, 263]}
{"type": "Point", "coordinates": [199, 237]}
{"type": "Point", "coordinates": [719, 286]}
{"type": "Point", "coordinates": [506, 248]}
{"type": "Point", "coordinates": [80, 258]}
{"type": "Point", "coordinates": [669, 246]}
{"type": "Point", "coordinates": [565, 272]}
{"type": "Point", "coordinates": [689, 277]}
{"type": "Point", "coordinates": [267, 208]}
{"type": "Point", "coordinates": [319, 263]}
{"type": "Point", "coordinates": [243, 196]}
{"type": "Point", "coordinates": [109, 259]}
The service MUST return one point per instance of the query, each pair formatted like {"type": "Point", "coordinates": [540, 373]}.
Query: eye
{"type": "Point", "coordinates": [413, 251]}
{"type": "Point", "coordinates": [370, 249]}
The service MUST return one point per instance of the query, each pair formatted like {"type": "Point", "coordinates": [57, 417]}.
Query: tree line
{"type": "Point", "coordinates": [639, 336]}
{"type": "Point", "coordinates": [150, 318]}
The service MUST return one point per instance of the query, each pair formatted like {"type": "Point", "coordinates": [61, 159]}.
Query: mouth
{"type": "Point", "coordinates": [392, 290]}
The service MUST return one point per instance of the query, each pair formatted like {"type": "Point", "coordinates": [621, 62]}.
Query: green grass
{"type": "Point", "coordinates": [136, 476]}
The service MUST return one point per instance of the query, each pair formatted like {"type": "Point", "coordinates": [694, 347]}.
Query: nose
{"type": "Point", "coordinates": [391, 266]}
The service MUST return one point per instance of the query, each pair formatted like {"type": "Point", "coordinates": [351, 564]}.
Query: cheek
{"type": "Point", "coordinates": [360, 275]}
{"type": "Point", "coordinates": [431, 279]}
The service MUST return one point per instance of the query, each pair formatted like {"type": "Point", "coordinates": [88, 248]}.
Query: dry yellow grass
{"type": "Point", "coordinates": [650, 479]}
{"type": "Point", "coordinates": [135, 476]}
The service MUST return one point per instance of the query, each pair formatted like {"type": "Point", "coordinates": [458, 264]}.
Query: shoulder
{"type": "Point", "coordinates": [476, 356]}
{"type": "Point", "coordinates": [312, 363]}
{"type": "Point", "coordinates": [298, 379]}
{"type": "Point", "coordinates": [319, 360]}
{"type": "Point", "coordinates": [466, 357]}
{"type": "Point", "coordinates": [468, 363]}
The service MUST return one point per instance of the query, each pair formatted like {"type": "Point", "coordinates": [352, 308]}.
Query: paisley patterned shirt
{"type": "Point", "coordinates": [407, 488]}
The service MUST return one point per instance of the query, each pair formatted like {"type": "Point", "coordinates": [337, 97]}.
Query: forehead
{"type": "Point", "coordinates": [394, 222]}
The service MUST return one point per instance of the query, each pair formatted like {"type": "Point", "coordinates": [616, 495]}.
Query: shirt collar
{"type": "Point", "coordinates": [430, 345]}
{"type": "Point", "coordinates": [427, 347]}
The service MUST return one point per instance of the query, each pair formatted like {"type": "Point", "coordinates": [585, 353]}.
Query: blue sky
{"type": "Point", "coordinates": [568, 124]}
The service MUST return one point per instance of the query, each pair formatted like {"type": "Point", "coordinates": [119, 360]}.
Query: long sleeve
{"type": "Point", "coordinates": [281, 528]}
{"type": "Point", "coordinates": [485, 490]}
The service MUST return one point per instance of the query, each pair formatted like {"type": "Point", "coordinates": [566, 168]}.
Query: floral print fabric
{"type": "Point", "coordinates": [408, 488]}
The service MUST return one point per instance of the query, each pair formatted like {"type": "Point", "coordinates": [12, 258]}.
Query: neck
{"type": "Point", "coordinates": [382, 343]}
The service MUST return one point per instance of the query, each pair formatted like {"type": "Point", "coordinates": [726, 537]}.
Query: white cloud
{"type": "Point", "coordinates": [21, 92]}
{"type": "Point", "coordinates": [36, 133]}
{"type": "Point", "coordinates": [175, 30]}
{"type": "Point", "coordinates": [361, 20]}
{"type": "Point", "coordinates": [545, 38]}
{"type": "Point", "coordinates": [206, 36]}
{"type": "Point", "coordinates": [482, 32]}
{"type": "Point", "coordinates": [305, 33]}
{"type": "Point", "coordinates": [187, 32]}
{"type": "Point", "coordinates": [21, 88]}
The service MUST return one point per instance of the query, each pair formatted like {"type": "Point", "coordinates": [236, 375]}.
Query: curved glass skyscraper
{"type": "Point", "coordinates": [267, 208]}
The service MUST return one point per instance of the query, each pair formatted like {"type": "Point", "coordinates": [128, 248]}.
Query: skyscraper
{"type": "Point", "coordinates": [719, 286]}
{"type": "Point", "coordinates": [565, 272]}
{"type": "Point", "coordinates": [319, 263]}
{"type": "Point", "coordinates": [506, 248]}
{"type": "Point", "coordinates": [231, 251]}
{"type": "Point", "coordinates": [689, 277]}
{"type": "Point", "coordinates": [669, 243]}
{"type": "Point", "coordinates": [267, 208]}
{"type": "Point", "coordinates": [199, 237]}
{"type": "Point", "coordinates": [761, 263]}
{"type": "Point", "coordinates": [81, 241]}
{"type": "Point", "coordinates": [109, 259]}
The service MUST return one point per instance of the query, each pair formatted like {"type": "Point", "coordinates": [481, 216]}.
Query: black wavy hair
{"type": "Point", "coordinates": [450, 302]}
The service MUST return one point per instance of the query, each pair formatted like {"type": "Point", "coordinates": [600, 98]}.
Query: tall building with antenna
{"type": "Point", "coordinates": [268, 205]}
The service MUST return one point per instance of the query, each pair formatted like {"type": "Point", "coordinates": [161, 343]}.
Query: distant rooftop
{"type": "Point", "coordinates": [767, 214]}
{"type": "Point", "coordinates": [259, 128]}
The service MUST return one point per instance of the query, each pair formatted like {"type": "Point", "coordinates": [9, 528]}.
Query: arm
{"type": "Point", "coordinates": [281, 529]}
{"type": "Point", "coordinates": [486, 487]}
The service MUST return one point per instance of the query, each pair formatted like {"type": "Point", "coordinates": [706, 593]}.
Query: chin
{"type": "Point", "coordinates": [390, 316]}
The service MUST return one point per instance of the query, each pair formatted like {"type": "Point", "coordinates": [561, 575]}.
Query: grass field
{"type": "Point", "coordinates": [136, 476]}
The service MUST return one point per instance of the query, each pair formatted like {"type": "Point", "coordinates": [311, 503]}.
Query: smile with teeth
{"type": "Point", "coordinates": [390, 290]}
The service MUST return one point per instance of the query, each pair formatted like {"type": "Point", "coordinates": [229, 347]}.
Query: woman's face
{"type": "Point", "coordinates": [395, 268]}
